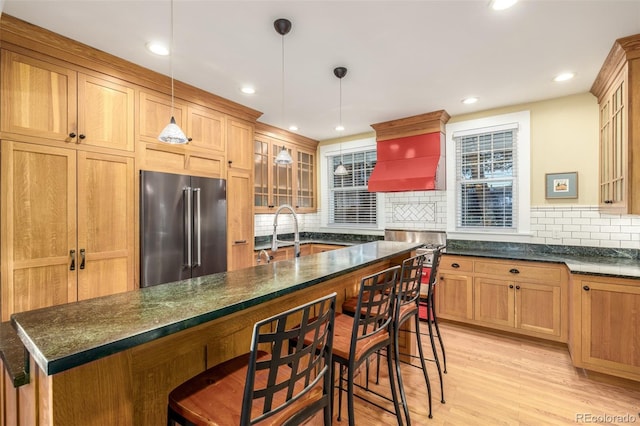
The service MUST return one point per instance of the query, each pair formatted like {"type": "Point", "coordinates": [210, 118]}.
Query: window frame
{"type": "Point", "coordinates": [522, 217]}
{"type": "Point", "coordinates": [333, 149]}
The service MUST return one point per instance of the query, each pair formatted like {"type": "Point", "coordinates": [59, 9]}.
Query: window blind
{"type": "Point", "coordinates": [486, 179]}
{"type": "Point", "coordinates": [350, 203]}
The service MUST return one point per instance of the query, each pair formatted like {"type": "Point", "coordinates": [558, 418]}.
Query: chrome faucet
{"type": "Point", "coordinates": [266, 256]}
{"type": "Point", "coordinates": [296, 234]}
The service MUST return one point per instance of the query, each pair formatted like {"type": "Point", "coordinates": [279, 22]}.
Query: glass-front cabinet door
{"type": "Point", "coordinates": [613, 128]}
{"type": "Point", "coordinates": [293, 184]}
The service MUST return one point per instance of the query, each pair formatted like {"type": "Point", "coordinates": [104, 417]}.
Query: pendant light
{"type": "Point", "coordinates": [341, 170]}
{"type": "Point", "coordinates": [283, 26]}
{"type": "Point", "coordinates": [172, 133]}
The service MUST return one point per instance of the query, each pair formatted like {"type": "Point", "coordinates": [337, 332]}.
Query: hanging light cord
{"type": "Point", "coordinates": [340, 123]}
{"type": "Point", "coordinates": [282, 100]}
{"type": "Point", "coordinates": [171, 58]}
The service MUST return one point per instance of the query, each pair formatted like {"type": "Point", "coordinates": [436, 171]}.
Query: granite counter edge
{"type": "Point", "coordinates": [58, 365]}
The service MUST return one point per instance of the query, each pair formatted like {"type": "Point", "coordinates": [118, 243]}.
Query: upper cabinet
{"type": "Point", "coordinates": [617, 88]}
{"type": "Point", "coordinates": [43, 99]}
{"type": "Point", "coordinates": [206, 129]}
{"type": "Point", "coordinates": [239, 143]}
{"type": "Point", "coordinates": [293, 184]}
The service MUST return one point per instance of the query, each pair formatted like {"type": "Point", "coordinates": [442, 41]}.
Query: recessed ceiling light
{"type": "Point", "coordinates": [293, 128]}
{"type": "Point", "coordinates": [339, 127]}
{"type": "Point", "coordinates": [248, 90]}
{"type": "Point", "coordinates": [564, 76]}
{"type": "Point", "coordinates": [157, 48]}
{"type": "Point", "coordinates": [470, 100]}
{"type": "Point", "coordinates": [502, 4]}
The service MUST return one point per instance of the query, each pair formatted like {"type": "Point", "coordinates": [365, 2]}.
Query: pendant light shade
{"type": "Point", "coordinates": [283, 26]}
{"type": "Point", "coordinates": [283, 158]}
{"type": "Point", "coordinates": [172, 133]}
{"type": "Point", "coordinates": [341, 170]}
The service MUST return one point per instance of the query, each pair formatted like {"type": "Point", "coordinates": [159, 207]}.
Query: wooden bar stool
{"type": "Point", "coordinates": [356, 339]}
{"type": "Point", "coordinates": [280, 386]}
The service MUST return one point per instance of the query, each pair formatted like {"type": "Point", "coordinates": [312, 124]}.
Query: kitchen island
{"type": "Point", "coordinates": [113, 360]}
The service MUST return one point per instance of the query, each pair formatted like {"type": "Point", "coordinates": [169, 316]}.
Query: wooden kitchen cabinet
{"type": "Point", "coordinates": [239, 220]}
{"type": "Point", "coordinates": [605, 333]}
{"type": "Point", "coordinates": [617, 88]}
{"type": "Point", "coordinates": [293, 184]}
{"type": "Point", "coordinates": [240, 145]}
{"type": "Point", "coordinates": [204, 155]}
{"type": "Point", "coordinates": [46, 99]}
{"type": "Point", "coordinates": [53, 253]}
{"type": "Point", "coordinates": [321, 248]}
{"type": "Point", "coordinates": [523, 297]}
{"type": "Point", "coordinates": [454, 288]}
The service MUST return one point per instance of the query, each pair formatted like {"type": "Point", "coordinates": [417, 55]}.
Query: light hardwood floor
{"type": "Point", "coordinates": [503, 380]}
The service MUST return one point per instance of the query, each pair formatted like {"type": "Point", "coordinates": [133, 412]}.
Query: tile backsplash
{"type": "Point", "coordinates": [570, 225]}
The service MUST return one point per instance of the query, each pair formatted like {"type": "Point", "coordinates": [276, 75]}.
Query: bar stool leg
{"type": "Point", "coordinates": [422, 362]}
{"type": "Point", "coordinates": [435, 352]}
{"type": "Point", "coordinates": [435, 322]}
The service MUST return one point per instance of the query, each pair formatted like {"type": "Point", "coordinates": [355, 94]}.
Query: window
{"type": "Point", "coordinates": [350, 203]}
{"type": "Point", "coordinates": [488, 167]}
{"type": "Point", "coordinates": [486, 177]}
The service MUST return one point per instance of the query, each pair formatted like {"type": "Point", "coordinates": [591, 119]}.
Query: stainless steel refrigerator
{"type": "Point", "coordinates": [183, 227]}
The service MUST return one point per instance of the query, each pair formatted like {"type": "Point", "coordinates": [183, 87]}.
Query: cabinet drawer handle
{"type": "Point", "coordinates": [72, 135]}
{"type": "Point", "coordinates": [517, 287]}
{"type": "Point", "coordinates": [586, 288]}
{"type": "Point", "coordinates": [455, 265]}
{"type": "Point", "coordinates": [510, 285]}
{"type": "Point", "coordinates": [82, 136]}
{"type": "Point", "coordinates": [72, 253]}
{"type": "Point", "coordinates": [240, 242]}
{"type": "Point", "coordinates": [608, 201]}
{"type": "Point", "coordinates": [514, 271]}
{"type": "Point", "coordinates": [82, 253]}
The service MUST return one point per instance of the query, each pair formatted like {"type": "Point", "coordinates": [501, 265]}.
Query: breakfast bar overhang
{"type": "Point", "coordinates": [113, 360]}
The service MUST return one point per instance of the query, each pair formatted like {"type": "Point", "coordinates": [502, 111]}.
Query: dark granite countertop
{"type": "Point", "coordinates": [62, 337]}
{"type": "Point", "coordinates": [578, 264]}
{"type": "Point", "coordinates": [13, 355]}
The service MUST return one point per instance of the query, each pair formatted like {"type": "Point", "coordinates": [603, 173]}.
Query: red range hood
{"type": "Point", "coordinates": [410, 154]}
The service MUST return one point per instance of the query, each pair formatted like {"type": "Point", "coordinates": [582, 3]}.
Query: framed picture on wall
{"type": "Point", "coordinates": [561, 185]}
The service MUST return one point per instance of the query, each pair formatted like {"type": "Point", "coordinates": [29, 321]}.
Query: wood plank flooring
{"type": "Point", "coordinates": [495, 379]}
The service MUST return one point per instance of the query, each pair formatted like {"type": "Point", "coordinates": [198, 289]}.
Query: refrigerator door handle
{"type": "Point", "coordinates": [188, 225]}
{"type": "Point", "coordinates": [198, 233]}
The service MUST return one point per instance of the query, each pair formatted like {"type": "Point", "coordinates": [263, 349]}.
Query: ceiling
{"type": "Point", "coordinates": [403, 57]}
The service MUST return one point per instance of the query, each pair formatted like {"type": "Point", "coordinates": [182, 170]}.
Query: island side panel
{"type": "Point", "coordinates": [131, 387]}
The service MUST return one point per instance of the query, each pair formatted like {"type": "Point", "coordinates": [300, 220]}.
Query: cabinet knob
{"type": "Point", "coordinates": [586, 288]}
{"type": "Point", "coordinates": [230, 162]}
{"type": "Point", "coordinates": [514, 271]}
{"type": "Point", "coordinates": [82, 136]}
{"type": "Point", "coordinates": [608, 201]}
{"type": "Point", "coordinates": [510, 285]}
{"type": "Point", "coordinates": [72, 135]}
{"type": "Point", "coordinates": [189, 139]}
{"type": "Point", "coordinates": [517, 287]}
{"type": "Point", "coordinates": [455, 265]}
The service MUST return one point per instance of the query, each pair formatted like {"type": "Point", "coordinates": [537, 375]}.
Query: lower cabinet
{"type": "Point", "coordinates": [285, 253]}
{"type": "Point", "coordinates": [524, 297]}
{"type": "Point", "coordinates": [454, 289]}
{"type": "Point", "coordinates": [605, 332]}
